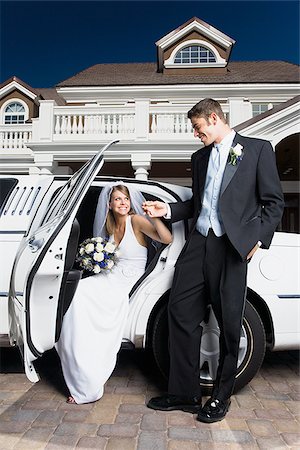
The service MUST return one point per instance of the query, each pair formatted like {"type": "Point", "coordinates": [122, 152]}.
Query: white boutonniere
{"type": "Point", "coordinates": [236, 154]}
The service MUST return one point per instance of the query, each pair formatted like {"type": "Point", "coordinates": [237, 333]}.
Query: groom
{"type": "Point", "coordinates": [236, 205]}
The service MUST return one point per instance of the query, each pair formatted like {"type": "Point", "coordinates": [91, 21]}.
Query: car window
{"type": "Point", "coordinates": [62, 196]}
{"type": "Point", "coordinates": [7, 185]}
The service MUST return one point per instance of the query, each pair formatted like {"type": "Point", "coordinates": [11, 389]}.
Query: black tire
{"type": "Point", "coordinates": [253, 354]}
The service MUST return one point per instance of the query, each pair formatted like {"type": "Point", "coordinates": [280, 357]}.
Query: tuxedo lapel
{"type": "Point", "coordinates": [230, 169]}
{"type": "Point", "coordinates": [202, 165]}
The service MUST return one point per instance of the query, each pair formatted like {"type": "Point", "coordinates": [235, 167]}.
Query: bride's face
{"type": "Point", "coordinates": [119, 203]}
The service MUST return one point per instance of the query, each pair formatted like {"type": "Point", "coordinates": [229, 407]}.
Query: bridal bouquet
{"type": "Point", "coordinates": [97, 254]}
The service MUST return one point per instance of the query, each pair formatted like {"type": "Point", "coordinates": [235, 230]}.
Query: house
{"type": "Point", "coordinates": [144, 105]}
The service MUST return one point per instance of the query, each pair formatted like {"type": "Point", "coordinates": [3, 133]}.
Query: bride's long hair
{"type": "Point", "coordinates": [110, 223]}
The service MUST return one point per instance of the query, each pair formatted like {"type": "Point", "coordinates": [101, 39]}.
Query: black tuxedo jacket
{"type": "Point", "coordinates": [251, 201]}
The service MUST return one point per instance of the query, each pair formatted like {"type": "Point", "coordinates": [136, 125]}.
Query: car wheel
{"type": "Point", "coordinates": [251, 351]}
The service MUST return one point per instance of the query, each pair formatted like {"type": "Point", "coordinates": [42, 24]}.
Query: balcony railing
{"type": "Point", "coordinates": [13, 138]}
{"type": "Point", "coordinates": [87, 123]}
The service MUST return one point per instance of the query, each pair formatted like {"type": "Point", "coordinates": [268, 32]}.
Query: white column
{"type": "Point", "coordinates": [240, 110]}
{"type": "Point", "coordinates": [45, 126]}
{"type": "Point", "coordinates": [44, 163]}
{"type": "Point", "coordinates": [141, 120]}
{"type": "Point", "coordinates": [141, 163]}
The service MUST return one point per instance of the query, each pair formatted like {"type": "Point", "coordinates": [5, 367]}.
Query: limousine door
{"type": "Point", "coordinates": [41, 268]}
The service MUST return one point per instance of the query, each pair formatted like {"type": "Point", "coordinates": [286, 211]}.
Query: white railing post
{"type": "Point", "coordinates": [141, 120]}
{"type": "Point", "coordinates": [46, 119]}
{"type": "Point", "coordinates": [141, 163]}
{"type": "Point", "coordinates": [240, 110]}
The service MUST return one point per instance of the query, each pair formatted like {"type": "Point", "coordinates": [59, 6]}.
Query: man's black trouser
{"type": "Point", "coordinates": [209, 271]}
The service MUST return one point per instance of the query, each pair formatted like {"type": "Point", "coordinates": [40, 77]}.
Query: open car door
{"type": "Point", "coordinates": [42, 279]}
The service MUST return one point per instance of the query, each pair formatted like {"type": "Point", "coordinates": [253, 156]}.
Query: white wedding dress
{"type": "Point", "coordinates": [93, 326]}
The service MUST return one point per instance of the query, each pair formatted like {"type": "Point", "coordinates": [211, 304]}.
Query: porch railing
{"type": "Point", "coordinates": [15, 137]}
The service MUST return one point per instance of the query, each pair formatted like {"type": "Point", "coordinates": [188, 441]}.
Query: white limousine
{"type": "Point", "coordinates": [42, 221]}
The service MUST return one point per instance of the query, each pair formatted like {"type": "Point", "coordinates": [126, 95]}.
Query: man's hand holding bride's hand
{"type": "Point", "coordinates": [155, 209]}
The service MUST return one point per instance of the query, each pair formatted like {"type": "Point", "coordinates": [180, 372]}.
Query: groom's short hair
{"type": "Point", "coordinates": [205, 107]}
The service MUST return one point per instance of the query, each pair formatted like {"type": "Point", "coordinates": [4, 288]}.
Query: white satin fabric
{"type": "Point", "coordinates": [93, 326]}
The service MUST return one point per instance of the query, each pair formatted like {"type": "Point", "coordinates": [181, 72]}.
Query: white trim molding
{"type": "Point", "coordinates": [220, 62]}
{"type": "Point", "coordinates": [19, 87]}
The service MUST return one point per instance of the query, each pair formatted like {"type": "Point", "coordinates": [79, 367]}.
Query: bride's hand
{"type": "Point", "coordinates": [155, 209]}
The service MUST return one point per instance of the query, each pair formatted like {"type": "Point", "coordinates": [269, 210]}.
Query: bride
{"type": "Point", "coordinates": [93, 326]}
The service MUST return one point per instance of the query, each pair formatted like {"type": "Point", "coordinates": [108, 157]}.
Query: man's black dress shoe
{"type": "Point", "coordinates": [174, 402]}
{"type": "Point", "coordinates": [213, 410]}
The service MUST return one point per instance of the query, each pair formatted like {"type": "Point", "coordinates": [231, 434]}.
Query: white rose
{"type": "Point", "coordinates": [85, 261]}
{"type": "Point", "coordinates": [98, 257]}
{"type": "Point", "coordinates": [238, 150]}
{"type": "Point", "coordinates": [89, 248]}
{"type": "Point", "coordinates": [110, 248]}
{"type": "Point", "coordinates": [81, 251]}
{"type": "Point", "coordinates": [118, 253]}
{"type": "Point", "coordinates": [110, 264]}
{"type": "Point", "coordinates": [96, 269]}
{"type": "Point", "coordinates": [99, 239]}
{"type": "Point", "coordinates": [99, 247]}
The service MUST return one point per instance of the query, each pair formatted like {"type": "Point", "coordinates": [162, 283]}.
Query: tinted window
{"type": "Point", "coordinates": [6, 187]}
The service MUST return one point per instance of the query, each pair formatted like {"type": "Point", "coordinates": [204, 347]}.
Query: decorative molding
{"type": "Point", "coordinates": [15, 85]}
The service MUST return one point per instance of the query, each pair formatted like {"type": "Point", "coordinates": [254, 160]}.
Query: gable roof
{"type": "Point", "coordinates": [130, 74]}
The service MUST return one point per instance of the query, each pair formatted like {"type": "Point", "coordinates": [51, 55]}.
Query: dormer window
{"type": "Point", "coordinates": [194, 54]}
{"type": "Point", "coordinates": [14, 113]}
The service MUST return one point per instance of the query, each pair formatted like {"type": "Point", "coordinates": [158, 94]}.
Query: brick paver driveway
{"type": "Point", "coordinates": [263, 415]}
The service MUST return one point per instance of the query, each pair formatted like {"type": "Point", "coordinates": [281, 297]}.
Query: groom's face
{"type": "Point", "coordinates": [205, 130]}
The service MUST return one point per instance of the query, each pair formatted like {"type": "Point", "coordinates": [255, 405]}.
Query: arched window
{"type": "Point", "coordinates": [194, 54]}
{"type": "Point", "coordinates": [14, 113]}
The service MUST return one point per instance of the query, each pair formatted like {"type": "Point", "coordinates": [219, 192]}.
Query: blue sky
{"type": "Point", "coordinates": [45, 42]}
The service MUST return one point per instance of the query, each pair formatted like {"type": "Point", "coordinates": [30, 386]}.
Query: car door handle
{"type": "Point", "coordinates": [35, 244]}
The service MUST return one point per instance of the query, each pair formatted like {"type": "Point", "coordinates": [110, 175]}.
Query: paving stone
{"type": "Point", "coordinates": [152, 440]}
{"type": "Point", "coordinates": [41, 404]}
{"type": "Point", "coordinates": [118, 429]}
{"type": "Point", "coordinates": [180, 420]}
{"type": "Point", "coordinates": [273, 396]}
{"type": "Point", "coordinates": [104, 415]}
{"type": "Point", "coordinates": [287, 426]}
{"type": "Point", "coordinates": [92, 442]}
{"type": "Point", "coordinates": [109, 399]}
{"type": "Point", "coordinates": [292, 438]}
{"type": "Point", "coordinates": [115, 443]}
{"type": "Point", "coordinates": [233, 424]}
{"type": "Point", "coordinates": [134, 399]}
{"type": "Point", "coordinates": [48, 418]}
{"type": "Point", "coordinates": [241, 413]}
{"type": "Point", "coordinates": [26, 415]}
{"type": "Point", "coordinates": [273, 414]}
{"type": "Point", "coordinates": [14, 426]}
{"type": "Point", "coordinates": [142, 409]}
{"type": "Point", "coordinates": [8, 441]}
{"type": "Point", "coordinates": [62, 443]}
{"type": "Point", "coordinates": [273, 404]}
{"type": "Point", "coordinates": [228, 436]}
{"type": "Point", "coordinates": [64, 406]}
{"type": "Point", "coordinates": [294, 407]}
{"type": "Point", "coordinates": [34, 439]}
{"type": "Point", "coordinates": [70, 429]}
{"type": "Point", "coordinates": [128, 418]}
{"type": "Point", "coordinates": [75, 416]}
{"type": "Point", "coordinates": [153, 422]}
{"type": "Point", "coordinates": [182, 445]}
{"type": "Point", "coordinates": [189, 434]}
{"type": "Point", "coordinates": [248, 402]}
{"type": "Point", "coordinates": [260, 427]}
{"type": "Point", "coordinates": [267, 443]}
